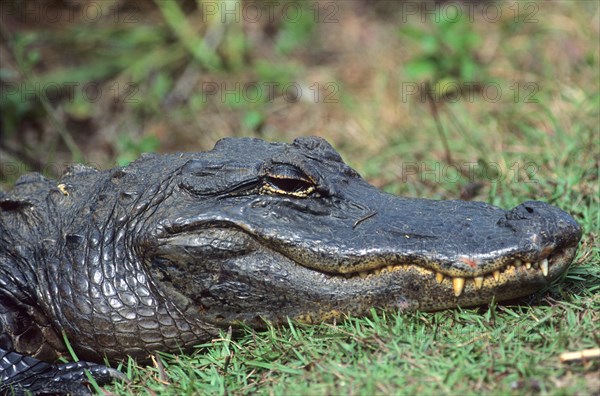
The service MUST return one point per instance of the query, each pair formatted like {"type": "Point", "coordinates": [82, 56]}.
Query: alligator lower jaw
{"type": "Point", "coordinates": [515, 269]}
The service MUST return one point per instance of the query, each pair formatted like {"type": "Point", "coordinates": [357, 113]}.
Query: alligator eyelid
{"type": "Point", "coordinates": [286, 177]}
{"type": "Point", "coordinates": [232, 191]}
{"type": "Point", "coordinates": [287, 171]}
{"type": "Point", "coordinates": [365, 217]}
{"type": "Point", "coordinates": [244, 186]}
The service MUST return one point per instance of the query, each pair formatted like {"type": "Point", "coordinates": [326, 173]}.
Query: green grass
{"type": "Point", "coordinates": [518, 150]}
{"type": "Point", "coordinates": [491, 350]}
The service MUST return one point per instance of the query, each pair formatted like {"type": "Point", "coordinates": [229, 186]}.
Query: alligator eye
{"type": "Point", "coordinates": [287, 180]}
{"type": "Point", "coordinates": [288, 185]}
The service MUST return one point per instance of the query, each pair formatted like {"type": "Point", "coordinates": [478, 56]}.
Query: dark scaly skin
{"type": "Point", "coordinates": [163, 253]}
{"type": "Point", "coordinates": [46, 378]}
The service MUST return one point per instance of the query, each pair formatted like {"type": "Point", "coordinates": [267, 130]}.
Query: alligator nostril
{"type": "Point", "coordinates": [520, 212]}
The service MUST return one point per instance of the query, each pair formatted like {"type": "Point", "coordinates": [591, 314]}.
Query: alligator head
{"type": "Point", "coordinates": [254, 230]}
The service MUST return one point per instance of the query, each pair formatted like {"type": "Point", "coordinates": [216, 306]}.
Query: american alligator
{"type": "Point", "coordinates": [161, 254]}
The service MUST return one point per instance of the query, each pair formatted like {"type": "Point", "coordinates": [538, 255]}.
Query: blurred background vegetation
{"type": "Point", "coordinates": [399, 87]}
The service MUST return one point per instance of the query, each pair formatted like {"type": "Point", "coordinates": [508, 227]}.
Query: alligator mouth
{"type": "Point", "coordinates": [548, 267]}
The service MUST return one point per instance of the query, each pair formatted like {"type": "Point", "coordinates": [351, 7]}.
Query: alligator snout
{"type": "Point", "coordinates": [544, 226]}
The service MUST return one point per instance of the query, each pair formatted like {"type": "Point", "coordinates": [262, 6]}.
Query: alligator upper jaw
{"type": "Point", "coordinates": [449, 239]}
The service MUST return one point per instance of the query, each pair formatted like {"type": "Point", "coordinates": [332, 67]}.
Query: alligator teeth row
{"type": "Point", "coordinates": [379, 271]}
{"type": "Point", "coordinates": [458, 283]}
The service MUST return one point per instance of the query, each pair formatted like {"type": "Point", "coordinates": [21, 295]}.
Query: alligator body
{"type": "Point", "coordinates": [161, 254]}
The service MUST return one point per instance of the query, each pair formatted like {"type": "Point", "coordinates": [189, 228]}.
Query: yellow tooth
{"type": "Point", "coordinates": [478, 282]}
{"type": "Point", "coordinates": [363, 274]}
{"type": "Point", "coordinates": [458, 284]}
{"type": "Point", "coordinates": [544, 266]}
{"type": "Point", "coordinates": [517, 263]}
{"type": "Point", "coordinates": [496, 275]}
{"type": "Point", "coordinates": [439, 277]}
{"type": "Point", "coordinates": [377, 271]}
{"type": "Point", "coordinates": [390, 268]}
{"type": "Point", "coordinates": [528, 265]}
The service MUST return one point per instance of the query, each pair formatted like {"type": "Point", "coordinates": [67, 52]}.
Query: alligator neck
{"type": "Point", "coordinates": [22, 226]}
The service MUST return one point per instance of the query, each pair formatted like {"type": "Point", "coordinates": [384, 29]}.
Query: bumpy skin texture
{"type": "Point", "coordinates": [161, 254]}
{"type": "Point", "coordinates": [19, 373]}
